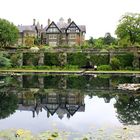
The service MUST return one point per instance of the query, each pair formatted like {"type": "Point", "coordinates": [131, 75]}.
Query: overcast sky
{"type": "Point", "coordinates": [99, 16]}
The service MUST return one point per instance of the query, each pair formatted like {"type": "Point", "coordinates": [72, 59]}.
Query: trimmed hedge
{"type": "Point", "coordinates": [51, 59]}
{"type": "Point", "coordinates": [79, 59]}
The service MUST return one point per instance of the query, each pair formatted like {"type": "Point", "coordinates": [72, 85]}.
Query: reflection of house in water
{"type": "Point", "coordinates": [61, 104]}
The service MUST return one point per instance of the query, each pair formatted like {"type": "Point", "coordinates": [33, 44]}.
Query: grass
{"type": "Point", "coordinates": [20, 70]}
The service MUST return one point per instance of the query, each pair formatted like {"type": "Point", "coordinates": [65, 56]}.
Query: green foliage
{"type": "Point", "coordinates": [91, 41]}
{"type": "Point", "coordinates": [79, 59]}
{"type": "Point", "coordinates": [37, 41]}
{"type": "Point", "coordinates": [104, 67]}
{"type": "Point", "coordinates": [99, 43]}
{"type": "Point", "coordinates": [99, 59]}
{"type": "Point", "coordinates": [29, 41]}
{"type": "Point", "coordinates": [108, 39]}
{"type": "Point", "coordinates": [126, 60]}
{"type": "Point", "coordinates": [128, 30]}
{"type": "Point", "coordinates": [84, 45]}
{"type": "Point", "coordinates": [115, 63]}
{"type": "Point", "coordinates": [4, 62]}
{"type": "Point", "coordinates": [30, 59]}
{"type": "Point", "coordinates": [15, 59]}
{"type": "Point", "coordinates": [128, 108]}
{"type": "Point", "coordinates": [8, 104]}
{"type": "Point", "coordinates": [8, 33]}
{"type": "Point", "coordinates": [51, 59]}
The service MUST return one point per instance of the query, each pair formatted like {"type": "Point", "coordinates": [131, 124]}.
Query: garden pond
{"type": "Point", "coordinates": [71, 103]}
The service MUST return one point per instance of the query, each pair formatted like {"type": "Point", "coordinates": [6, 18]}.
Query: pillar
{"type": "Point", "coordinates": [111, 55]}
{"type": "Point", "coordinates": [41, 81]}
{"type": "Point", "coordinates": [20, 61]}
{"type": "Point", "coordinates": [136, 61]}
{"type": "Point", "coordinates": [41, 59]}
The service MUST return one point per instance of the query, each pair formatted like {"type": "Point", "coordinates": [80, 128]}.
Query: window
{"type": "Point", "coordinates": [72, 36]}
{"type": "Point", "coordinates": [68, 31]}
{"type": "Point", "coordinates": [71, 43]}
{"type": "Point", "coordinates": [52, 30]}
{"type": "Point", "coordinates": [52, 43]}
{"type": "Point", "coordinates": [52, 36]}
{"type": "Point", "coordinates": [77, 31]}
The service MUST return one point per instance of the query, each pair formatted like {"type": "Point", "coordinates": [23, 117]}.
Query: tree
{"type": "Point", "coordinates": [99, 43]}
{"type": "Point", "coordinates": [9, 103]}
{"type": "Point", "coordinates": [91, 41]}
{"type": "Point", "coordinates": [108, 39]}
{"type": "Point", "coordinates": [128, 109]}
{"type": "Point", "coordinates": [8, 33]}
{"type": "Point", "coordinates": [128, 29]}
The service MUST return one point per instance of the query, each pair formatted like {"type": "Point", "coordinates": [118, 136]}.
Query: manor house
{"type": "Point", "coordinates": [54, 34]}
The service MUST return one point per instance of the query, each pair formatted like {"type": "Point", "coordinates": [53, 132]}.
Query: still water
{"type": "Point", "coordinates": [71, 103]}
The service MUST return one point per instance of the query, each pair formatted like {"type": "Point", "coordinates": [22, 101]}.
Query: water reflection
{"type": "Point", "coordinates": [58, 102]}
{"type": "Point", "coordinates": [65, 95]}
{"type": "Point", "coordinates": [128, 109]}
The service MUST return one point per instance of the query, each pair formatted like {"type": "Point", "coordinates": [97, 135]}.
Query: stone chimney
{"type": "Point", "coordinates": [69, 20]}
{"type": "Point", "coordinates": [49, 22]}
{"type": "Point", "coordinates": [34, 20]}
{"type": "Point", "coordinates": [38, 24]}
{"type": "Point", "coordinates": [41, 26]}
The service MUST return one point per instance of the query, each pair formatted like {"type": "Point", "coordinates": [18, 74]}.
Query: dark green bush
{"type": "Point", "coordinates": [4, 61]}
{"type": "Point", "coordinates": [126, 60]}
{"type": "Point", "coordinates": [30, 59]}
{"type": "Point", "coordinates": [51, 59]}
{"type": "Point", "coordinates": [115, 63]}
{"type": "Point", "coordinates": [99, 59]}
{"type": "Point", "coordinates": [79, 59]}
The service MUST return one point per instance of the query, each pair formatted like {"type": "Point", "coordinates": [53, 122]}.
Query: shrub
{"type": "Point", "coordinates": [126, 60]}
{"type": "Point", "coordinates": [115, 63]}
{"type": "Point", "coordinates": [51, 59]}
{"type": "Point", "coordinates": [4, 62]}
{"type": "Point", "coordinates": [104, 67]}
{"type": "Point", "coordinates": [79, 59]}
{"type": "Point", "coordinates": [99, 59]}
{"type": "Point", "coordinates": [30, 59]}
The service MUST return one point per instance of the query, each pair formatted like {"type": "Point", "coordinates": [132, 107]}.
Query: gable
{"type": "Point", "coordinates": [52, 28]}
{"type": "Point", "coordinates": [73, 28]}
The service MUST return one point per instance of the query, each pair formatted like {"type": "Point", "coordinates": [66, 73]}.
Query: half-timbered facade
{"type": "Point", "coordinates": [61, 33]}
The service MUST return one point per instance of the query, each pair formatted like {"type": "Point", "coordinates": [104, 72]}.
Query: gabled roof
{"type": "Point", "coordinates": [82, 27]}
{"type": "Point", "coordinates": [63, 26]}
{"type": "Point", "coordinates": [54, 24]}
{"type": "Point", "coordinates": [74, 24]}
{"type": "Point", "coordinates": [23, 28]}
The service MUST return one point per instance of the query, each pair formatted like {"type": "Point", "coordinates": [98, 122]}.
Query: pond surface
{"type": "Point", "coordinates": [71, 103]}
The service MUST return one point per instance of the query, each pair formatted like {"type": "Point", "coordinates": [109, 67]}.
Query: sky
{"type": "Point", "coordinates": [99, 16]}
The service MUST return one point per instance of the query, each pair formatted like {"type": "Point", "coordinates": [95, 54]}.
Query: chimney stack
{"type": "Point", "coordinates": [34, 22]}
{"type": "Point", "coordinates": [41, 26]}
{"type": "Point", "coordinates": [49, 22]}
{"type": "Point", "coordinates": [69, 20]}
